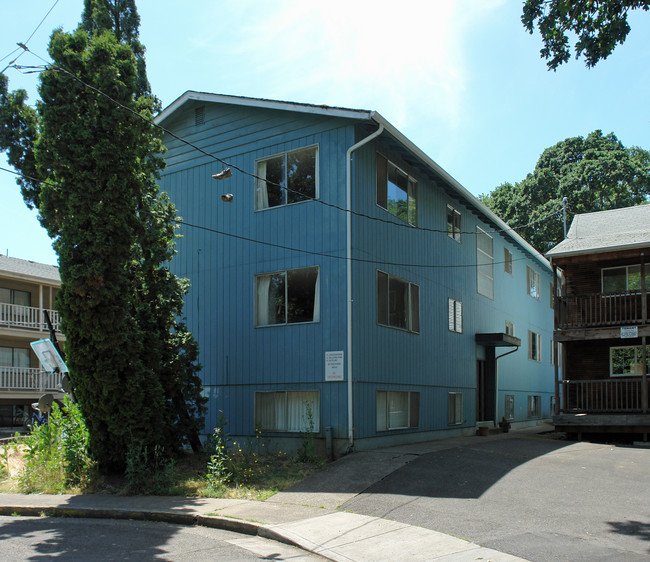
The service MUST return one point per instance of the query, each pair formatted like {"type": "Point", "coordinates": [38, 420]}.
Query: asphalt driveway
{"type": "Point", "coordinates": [527, 494]}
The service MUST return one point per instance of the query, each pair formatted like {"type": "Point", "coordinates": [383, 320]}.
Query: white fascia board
{"type": "Point", "coordinates": [264, 104]}
{"type": "Point", "coordinates": [507, 230]}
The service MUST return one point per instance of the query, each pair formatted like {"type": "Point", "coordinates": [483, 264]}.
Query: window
{"type": "Point", "coordinates": [396, 191]}
{"type": "Point", "coordinates": [507, 261]}
{"type": "Point", "coordinates": [618, 279]}
{"type": "Point", "coordinates": [455, 316]}
{"type": "Point", "coordinates": [398, 303]}
{"type": "Point", "coordinates": [287, 297]}
{"type": "Point", "coordinates": [16, 297]}
{"type": "Point", "coordinates": [484, 264]}
{"type": "Point", "coordinates": [453, 223]}
{"type": "Point", "coordinates": [509, 409]}
{"type": "Point", "coordinates": [533, 282]}
{"type": "Point", "coordinates": [287, 178]}
{"type": "Point", "coordinates": [510, 328]}
{"type": "Point", "coordinates": [14, 357]}
{"type": "Point", "coordinates": [397, 410]}
{"type": "Point", "coordinates": [455, 408]}
{"type": "Point", "coordinates": [534, 346]}
{"type": "Point", "coordinates": [287, 410]}
{"type": "Point", "coordinates": [534, 406]}
{"type": "Point", "coordinates": [625, 361]}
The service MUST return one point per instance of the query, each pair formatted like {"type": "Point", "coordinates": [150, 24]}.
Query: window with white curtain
{"type": "Point", "coordinates": [14, 357]}
{"type": "Point", "coordinates": [484, 264]}
{"type": "Point", "coordinates": [290, 411]}
{"type": "Point", "coordinates": [287, 297]}
{"type": "Point", "coordinates": [287, 178]}
{"type": "Point", "coordinates": [14, 296]}
{"type": "Point", "coordinates": [397, 410]}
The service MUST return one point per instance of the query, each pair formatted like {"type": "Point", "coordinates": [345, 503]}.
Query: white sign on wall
{"type": "Point", "coordinates": [333, 366]}
{"type": "Point", "coordinates": [629, 332]}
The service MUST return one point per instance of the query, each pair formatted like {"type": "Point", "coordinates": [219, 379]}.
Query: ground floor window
{"type": "Point", "coordinates": [534, 406]}
{"type": "Point", "coordinates": [397, 410]}
{"type": "Point", "coordinates": [291, 411]}
{"type": "Point", "coordinates": [455, 408]}
{"type": "Point", "coordinates": [509, 410]}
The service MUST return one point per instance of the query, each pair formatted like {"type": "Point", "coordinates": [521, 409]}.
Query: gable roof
{"type": "Point", "coordinates": [606, 231]}
{"type": "Point", "coordinates": [359, 115]}
{"type": "Point", "coordinates": [25, 269]}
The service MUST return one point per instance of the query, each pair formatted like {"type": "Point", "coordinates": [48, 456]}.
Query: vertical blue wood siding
{"type": "Point", "coordinates": [224, 245]}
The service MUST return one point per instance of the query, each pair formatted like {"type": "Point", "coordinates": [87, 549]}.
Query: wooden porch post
{"type": "Point", "coordinates": [644, 354]}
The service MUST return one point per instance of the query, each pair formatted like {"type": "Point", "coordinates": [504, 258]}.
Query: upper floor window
{"type": "Point", "coordinates": [455, 323]}
{"type": "Point", "coordinates": [534, 346]}
{"type": "Point", "coordinates": [398, 303]}
{"type": "Point", "coordinates": [14, 357]}
{"type": "Point", "coordinates": [287, 297]}
{"type": "Point", "coordinates": [14, 296]}
{"type": "Point", "coordinates": [507, 261]}
{"type": "Point", "coordinates": [396, 191]}
{"type": "Point", "coordinates": [510, 328]}
{"type": "Point", "coordinates": [484, 264]}
{"type": "Point", "coordinates": [287, 178]}
{"type": "Point", "coordinates": [453, 223]}
{"type": "Point", "coordinates": [617, 279]}
{"type": "Point", "coordinates": [533, 282]}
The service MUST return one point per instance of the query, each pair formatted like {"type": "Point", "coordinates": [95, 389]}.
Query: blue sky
{"type": "Point", "coordinates": [462, 79]}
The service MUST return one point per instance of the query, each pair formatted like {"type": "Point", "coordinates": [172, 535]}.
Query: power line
{"type": "Point", "coordinates": [182, 223]}
{"type": "Point", "coordinates": [258, 178]}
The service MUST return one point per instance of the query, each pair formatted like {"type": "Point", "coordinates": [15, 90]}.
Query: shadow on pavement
{"type": "Point", "coordinates": [632, 529]}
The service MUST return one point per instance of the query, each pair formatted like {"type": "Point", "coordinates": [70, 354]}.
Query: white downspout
{"type": "Point", "coordinates": [348, 158]}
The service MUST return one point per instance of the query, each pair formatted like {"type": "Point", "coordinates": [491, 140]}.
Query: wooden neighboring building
{"type": "Point", "coordinates": [601, 323]}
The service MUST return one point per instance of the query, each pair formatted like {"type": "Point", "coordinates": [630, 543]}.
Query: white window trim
{"type": "Point", "coordinates": [627, 275]}
{"type": "Point", "coordinates": [507, 261]}
{"type": "Point", "coordinates": [315, 414]}
{"type": "Point", "coordinates": [638, 361]}
{"type": "Point", "coordinates": [480, 269]}
{"type": "Point", "coordinates": [455, 316]}
{"type": "Point", "coordinates": [538, 341]}
{"type": "Point", "coordinates": [534, 406]}
{"type": "Point", "coordinates": [410, 182]}
{"type": "Point", "coordinates": [533, 274]}
{"type": "Point", "coordinates": [410, 307]}
{"type": "Point", "coordinates": [285, 154]}
{"type": "Point", "coordinates": [411, 424]}
{"type": "Point", "coordinates": [512, 328]}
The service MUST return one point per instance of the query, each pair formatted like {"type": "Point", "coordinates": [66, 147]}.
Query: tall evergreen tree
{"type": "Point", "coordinates": [132, 363]}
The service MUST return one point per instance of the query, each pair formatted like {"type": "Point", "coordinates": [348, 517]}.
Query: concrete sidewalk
{"type": "Point", "coordinates": [332, 534]}
{"type": "Point", "coordinates": [306, 515]}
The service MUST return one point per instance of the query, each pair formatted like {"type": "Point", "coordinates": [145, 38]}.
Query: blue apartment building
{"type": "Point", "coordinates": [351, 285]}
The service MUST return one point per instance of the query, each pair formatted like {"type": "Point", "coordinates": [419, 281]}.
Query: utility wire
{"type": "Point", "coordinates": [258, 178]}
{"type": "Point", "coordinates": [182, 223]}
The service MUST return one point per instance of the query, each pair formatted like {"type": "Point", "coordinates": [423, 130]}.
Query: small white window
{"type": "Point", "coordinates": [397, 410]}
{"type": "Point", "coordinates": [453, 223]}
{"type": "Point", "coordinates": [455, 316]}
{"type": "Point", "coordinates": [534, 346]}
{"type": "Point", "coordinates": [484, 264]}
{"type": "Point", "coordinates": [507, 261]}
{"type": "Point", "coordinates": [509, 410]}
{"type": "Point", "coordinates": [287, 297]}
{"type": "Point", "coordinates": [510, 328]}
{"type": "Point", "coordinates": [455, 408]}
{"type": "Point", "coordinates": [290, 177]}
{"type": "Point", "coordinates": [290, 411]}
{"type": "Point", "coordinates": [533, 282]}
{"type": "Point", "coordinates": [398, 303]}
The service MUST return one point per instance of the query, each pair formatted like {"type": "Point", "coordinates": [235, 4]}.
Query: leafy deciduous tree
{"type": "Point", "coordinates": [600, 25]}
{"type": "Point", "coordinates": [594, 173]}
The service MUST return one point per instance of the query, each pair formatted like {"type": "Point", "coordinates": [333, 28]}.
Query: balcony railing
{"type": "Point", "coordinates": [27, 317]}
{"type": "Point", "coordinates": [21, 379]}
{"type": "Point", "coordinates": [600, 309]}
{"type": "Point", "coordinates": [619, 395]}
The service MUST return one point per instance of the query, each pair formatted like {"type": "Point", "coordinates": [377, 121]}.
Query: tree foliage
{"type": "Point", "coordinates": [132, 363]}
{"type": "Point", "coordinates": [594, 173]}
{"type": "Point", "coordinates": [599, 26]}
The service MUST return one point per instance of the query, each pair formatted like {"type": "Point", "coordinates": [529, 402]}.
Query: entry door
{"type": "Point", "coordinates": [484, 392]}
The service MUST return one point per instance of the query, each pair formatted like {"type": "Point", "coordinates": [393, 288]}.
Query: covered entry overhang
{"type": "Point", "coordinates": [487, 377]}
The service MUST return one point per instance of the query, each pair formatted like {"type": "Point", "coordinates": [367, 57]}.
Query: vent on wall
{"type": "Point", "coordinates": [199, 116]}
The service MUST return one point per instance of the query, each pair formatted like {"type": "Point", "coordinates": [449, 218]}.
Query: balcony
{"type": "Point", "coordinates": [27, 318]}
{"type": "Point", "coordinates": [604, 396]}
{"type": "Point", "coordinates": [601, 310]}
{"type": "Point", "coordinates": [27, 379]}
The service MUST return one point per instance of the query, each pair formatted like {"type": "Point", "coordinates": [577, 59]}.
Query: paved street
{"type": "Point", "coordinates": [30, 538]}
{"type": "Point", "coordinates": [533, 497]}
